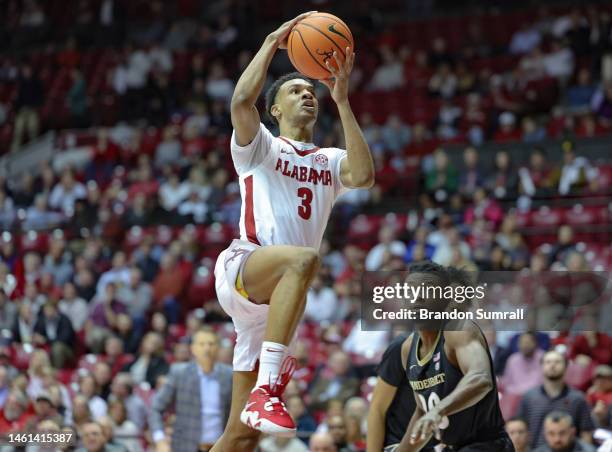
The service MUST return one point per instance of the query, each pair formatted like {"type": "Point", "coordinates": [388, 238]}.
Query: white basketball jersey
{"type": "Point", "coordinates": [288, 189]}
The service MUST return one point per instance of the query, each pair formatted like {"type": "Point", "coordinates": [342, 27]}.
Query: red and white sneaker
{"type": "Point", "coordinates": [265, 411]}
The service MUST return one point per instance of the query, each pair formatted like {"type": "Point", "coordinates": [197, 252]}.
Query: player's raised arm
{"type": "Point", "coordinates": [245, 118]}
{"type": "Point", "coordinates": [357, 170]}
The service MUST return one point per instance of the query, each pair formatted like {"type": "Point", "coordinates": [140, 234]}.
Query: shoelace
{"type": "Point", "coordinates": [277, 405]}
{"type": "Point", "coordinates": [285, 373]}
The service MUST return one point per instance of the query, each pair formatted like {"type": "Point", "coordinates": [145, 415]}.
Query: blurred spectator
{"type": "Point", "coordinates": [77, 100]}
{"type": "Point", "coordinates": [321, 301]}
{"type": "Point", "coordinates": [395, 134]}
{"type": "Point", "coordinates": [169, 150]}
{"type": "Point", "coordinates": [23, 328]}
{"type": "Point", "coordinates": [525, 39]}
{"type": "Point", "coordinates": [322, 442]}
{"type": "Point", "coordinates": [442, 179]}
{"type": "Point", "coordinates": [502, 183]}
{"type": "Point", "coordinates": [94, 439]}
{"type": "Point", "coordinates": [387, 247]}
{"type": "Point", "coordinates": [440, 53]}
{"type": "Point", "coordinates": [118, 274]}
{"type": "Point", "coordinates": [150, 363]}
{"type": "Point", "coordinates": [592, 345]}
{"type": "Point", "coordinates": [419, 240]}
{"type": "Point", "coordinates": [507, 130]}
{"type": "Point", "coordinates": [88, 389]}
{"type": "Point", "coordinates": [443, 83]}
{"type": "Point", "coordinates": [200, 392]}
{"type": "Point", "coordinates": [560, 434]}
{"type": "Point", "coordinates": [483, 207]}
{"type": "Point", "coordinates": [73, 306]}
{"type": "Point", "coordinates": [334, 382]}
{"type": "Point", "coordinates": [55, 330]}
{"type": "Point", "coordinates": [532, 132]}
{"type": "Point", "coordinates": [305, 423]}
{"type": "Point", "coordinates": [125, 430]}
{"type": "Point", "coordinates": [29, 99]}
{"type": "Point", "coordinates": [575, 173]}
{"type": "Point", "coordinates": [523, 369]}
{"type": "Point", "coordinates": [173, 192]}
{"type": "Point", "coordinates": [102, 374]}
{"type": "Point", "coordinates": [534, 180]}
{"type": "Point", "coordinates": [218, 85]}
{"type": "Point", "coordinates": [168, 286]}
{"type": "Point", "coordinates": [602, 103]}
{"type": "Point", "coordinates": [134, 408]}
{"type": "Point", "coordinates": [447, 121]}
{"type": "Point", "coordinates": [14, 414]}
{"type": "Point", "coordinates": [57, 262]}
{"type": "Point", "coordinates": [44, 409]}
{"type": "Point", "coordinates": [516, 428]}
{"type": "Point", "coordinates": [389, 75]}
{"type": "Point", "coordinates": [103, 318]}
{"type": "Point", "coordinates": [8, 311]}
{"type": "Point", "coordinates": [137, 295]}
{"type": "Point", "coordinates": [580, 94]}
{"type": "Point", "coordinates": [7, 210]}
{"type": "Point", "coordinates": [553, 395]}
{"type": "Point", "coordinates": [559, 62]}
{"type": "Point", "coordinates": [471, 176]}
{"type": "Point", "coordinates": [278, 444]}
{"type": "Point", "coordinates": [66, 192]}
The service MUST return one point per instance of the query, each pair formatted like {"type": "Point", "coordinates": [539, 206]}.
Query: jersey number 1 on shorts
{"type": "Point", "coordinates": [304, 210]}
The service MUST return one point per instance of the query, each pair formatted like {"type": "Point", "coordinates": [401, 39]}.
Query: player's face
{"type": "Point", "coordinates": [297, 103]}
{"type": "Point", "coordinates": [518, 433]}
{"type": "Point", "coordinates": [559, 435]}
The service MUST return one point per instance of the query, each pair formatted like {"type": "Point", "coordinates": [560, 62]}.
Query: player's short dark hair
{"type": "Point", "coordinates": [273, 91]}
{"type": "Point", "coordinates": [429, 267]}
{"type": "Point", "coordinates": [557, 416]}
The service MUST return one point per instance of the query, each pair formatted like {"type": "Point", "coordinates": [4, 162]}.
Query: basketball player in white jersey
{"type": "Point", "coordinates": [288, 187]}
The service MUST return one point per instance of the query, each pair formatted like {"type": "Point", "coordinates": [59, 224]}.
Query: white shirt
{"type": "Point", "coordinates": [76, 310]}
{"type": "Point", "coordinates": [288, 189]}
{"type": "Point", "coordinates": [212, 417]}
{"type": "Point", "coordinates": [60, 198]}
{"type": "Point", "coordinates": [374, 260]}
{"type": "Point", "coordinates": [321, 305]}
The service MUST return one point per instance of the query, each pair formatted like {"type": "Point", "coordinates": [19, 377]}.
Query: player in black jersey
{"type": "Point", "coordinates": [451, 375]}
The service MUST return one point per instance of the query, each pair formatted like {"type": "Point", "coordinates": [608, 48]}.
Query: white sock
{"type": "Point", "coordinates": [270, 360]}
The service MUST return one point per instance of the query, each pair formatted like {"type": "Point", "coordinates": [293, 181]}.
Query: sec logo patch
{"type": "Point", "coordinates": [321, 160]}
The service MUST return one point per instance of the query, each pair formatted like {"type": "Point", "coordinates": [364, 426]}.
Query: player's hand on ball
{"type": "Point", "coordinates": [281, 34]}
{"type": "Point", "coordinates": [426, 426]}
{"type": "Point", "coordinates": [339, 85]}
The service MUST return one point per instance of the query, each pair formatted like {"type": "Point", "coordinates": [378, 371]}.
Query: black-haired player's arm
{"type": "Point", "coordinates": [408, 443]}
{"type": "Point", "coordinates": [466, 350]}
{"type": "Point", "coordinates": [357, 169]}
{"type": "Point", "coordinates": [382, 396]}
{"type": "Point", "coordinates": [245, 118]}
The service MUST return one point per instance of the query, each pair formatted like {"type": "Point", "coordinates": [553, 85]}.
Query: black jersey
{"type": "Point", "coordinates": [434, 377]}
{"type": "Point", "coordinates": [400, 411]}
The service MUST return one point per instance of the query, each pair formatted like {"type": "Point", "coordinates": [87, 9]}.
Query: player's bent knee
{"type": "Point", "coordinates": [306, 261]}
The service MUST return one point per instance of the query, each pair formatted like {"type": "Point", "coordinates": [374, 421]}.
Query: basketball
{"type": "Point", "coordinates": [312, 43]}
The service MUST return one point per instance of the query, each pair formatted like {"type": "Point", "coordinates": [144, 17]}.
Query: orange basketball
{"type": "Point", "coordinates": [313, 40]}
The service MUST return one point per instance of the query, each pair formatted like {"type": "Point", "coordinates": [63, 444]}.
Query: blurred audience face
{"type": "Point", "coordinates": [566, 235]}
{"type": "Point", "coordinates": [527, 344]}
{"type": "Point", "coordinates": [559, 435]}
{"type": "Point", "coordinates": [296, 407]}
{"type": "Point", "coordinates": [339, 363]}
{"type": "Point", "coordinates": [93, 437]}
{"type": "Point", "coordinates": [102, 373]}
{"type": "Point", "coordinates": [322, 442]}
{"type": "Point", "coordinates": [205, 348]}
{"type": "Point", "coordinates": [121, 385]}
{"type": "Point", "coordinates": [518, 433]}
{"type": "Point", "coordinates": [182, 352]}
{"type": "Point", "coordinates": [113, 347]}
{"type": "Point", "coordinates": [553, 366]}
{"type": "Point", "coordinates": [14, 406]}
{"type": "Point", "coordinates": [337, 429]}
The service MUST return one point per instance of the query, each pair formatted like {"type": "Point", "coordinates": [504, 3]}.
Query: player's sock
{"type": "Point", "coordinates": [270, 360]}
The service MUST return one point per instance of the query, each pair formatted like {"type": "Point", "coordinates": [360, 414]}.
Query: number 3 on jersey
{"type": "Point", "coordinates": [434, 399]}
{"type": "Point", "coordinates": [304, 210]}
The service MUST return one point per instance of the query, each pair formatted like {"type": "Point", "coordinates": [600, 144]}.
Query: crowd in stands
{"type": "Point", "coordinates": [107, 253]}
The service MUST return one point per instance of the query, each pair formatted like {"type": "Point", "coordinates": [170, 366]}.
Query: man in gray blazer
{"type": "Point", "coordinates": [201, 393]}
